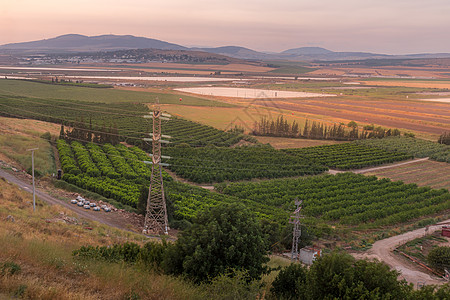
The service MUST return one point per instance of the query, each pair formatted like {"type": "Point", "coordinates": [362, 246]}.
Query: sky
{"type": "Point", "coordinates": [379, 26]}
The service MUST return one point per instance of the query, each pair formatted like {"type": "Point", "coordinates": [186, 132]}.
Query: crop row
{"type": "Point", "coordinates": [412, 146]}
{"type": "Point", "coordinates": [215, 164]}
{"type": "Point", "coordinates": [346, 198]}
{"type": "Point", "coordinates": [126, 117]}
{"type": "Point", "coordinates": [348, 155]}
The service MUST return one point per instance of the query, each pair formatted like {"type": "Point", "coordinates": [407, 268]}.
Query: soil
{"type": "Point", "coordinates": [351, 110]}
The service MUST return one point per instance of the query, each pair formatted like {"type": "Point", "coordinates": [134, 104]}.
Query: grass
{"type": "Point", "coordinates": [48, 91]}
{"type": "Point", "coordinates": [421, 173]}
{"type": "Point", "coordinates": [18, 135]}
{"type": "Point", "coordinates": [292, 70]}
{"type": "Point", "coordinates": [40, 244]}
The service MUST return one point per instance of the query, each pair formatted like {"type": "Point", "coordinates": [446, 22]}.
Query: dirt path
{"type": "Point", "coordinates": [113, 219]}
{"type": "Point", "coordinates": [361, 171]}
{"type": "Point", "coordinates": [383, 251]}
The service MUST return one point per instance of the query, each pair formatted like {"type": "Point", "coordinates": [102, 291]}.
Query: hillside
{"type": "Point", "coordinates": [71, 43]}
{"type": "Point", "coordinates": [77, 42]}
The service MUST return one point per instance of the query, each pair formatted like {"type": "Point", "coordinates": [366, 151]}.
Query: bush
{"type": "Point", "coordinates": [10, 268]}
{"type": "Point", "coordinates": [439, 258]}
{"type": "Point", "coordinates": [221, 238]}
{"type": "Point", "coordinates": [290, 282]}
{"type": "Point", "coordinates": [46, 136]}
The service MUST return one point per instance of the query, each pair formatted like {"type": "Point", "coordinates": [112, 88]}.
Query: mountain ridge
{"type": "Point", "coordinates": [109, 42]}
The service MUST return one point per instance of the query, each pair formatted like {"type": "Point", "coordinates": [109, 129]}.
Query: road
{"type": "Point", "coordinates": [110, 219]}
{"type": "Point", "coordinates": [383, 251]}
{"type": "Point", "coordinates": [361, 171]}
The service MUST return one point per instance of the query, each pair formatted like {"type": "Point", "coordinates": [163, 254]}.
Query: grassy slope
{"type": "Point", "coordinates": [41, 244]}
{"type": "Point", "coordinates": [40, 90]}
{"type": "Point", "coordinates": [16, 136]}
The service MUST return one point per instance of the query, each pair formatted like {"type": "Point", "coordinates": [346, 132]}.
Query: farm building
{"type": "Point", "coordinates": [445, 231]}
{"type": "Point", "coordinates": [309, 254]}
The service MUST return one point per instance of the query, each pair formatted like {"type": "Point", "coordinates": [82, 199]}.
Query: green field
{"type": "Point", "coordinates": [25, 88]}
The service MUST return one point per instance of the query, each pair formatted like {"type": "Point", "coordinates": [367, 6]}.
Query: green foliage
{"type": "Point", "coordinates": [111, 122]}
{"type": "Point", "coordinates": [290, 282]}
{"type": "Point", "coordinates": [213, 164]}
{"type": "Point", "coordinates": [340, 276]}
{"type": "Point", "coordinates": [47, 136]}
{"type": "Point", "coordinates": [346, 197]}
{"type": "Point", "coordinates": [151, 254]}
{"type": "Point", "coordinates": [221, 238]}
{"type": "Point", "coordinates": [234, 285]}
{"type": "Point", "coordinates": [439, 258]}
{"type": "Point", "coordinates": [412, 146]}
{"type": "Point", "coordinates": [9, 268]}
{"type": "Point", "coordinates": [444, 138]}
{"type": "Point", "coordinates": [348, 155]}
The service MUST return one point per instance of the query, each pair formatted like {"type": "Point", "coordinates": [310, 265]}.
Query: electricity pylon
{"type": "Point", "coordinates": [295, 219]}
{"type": "Point", "coordinates": [156, 212]}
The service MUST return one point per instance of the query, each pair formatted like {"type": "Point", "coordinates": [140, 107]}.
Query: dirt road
{"type": "Point", "coordinates": [383, 251]}
{"type": "Point", "coordinates": [111, 219]}
{"type": "Point", "coordinates": [361, 171]}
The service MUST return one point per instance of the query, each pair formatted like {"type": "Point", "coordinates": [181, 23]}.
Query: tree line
{"type": "Point", "coordinates": [317, 130]}
{"type": "Point", "coordinates": [79, 130]}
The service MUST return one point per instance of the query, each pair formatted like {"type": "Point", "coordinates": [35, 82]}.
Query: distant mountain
{"type": "Point", "coordinates": [307, 51]}
{"type": "Point", "coordinates": [73, 43]}
{"type": "Point", "coordinates": [237, 52]}
{"type": "Point", "coordinates": [81, 43]}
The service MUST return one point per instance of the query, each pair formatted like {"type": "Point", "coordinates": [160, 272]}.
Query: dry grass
{"type": "Point", "coordinates": [422, 173]}
{"type": "Point", "coordinates": [286, 143]}
{"type": "Point", "coordinates": [18, 135]}
{"type": "Point", "coordinates": [41, 243]}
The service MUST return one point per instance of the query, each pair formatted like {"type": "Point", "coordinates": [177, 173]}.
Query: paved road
{"type": "Point", "coordinates": [101, 217]}
{"type": "Point", "coordinates": [383, 251]}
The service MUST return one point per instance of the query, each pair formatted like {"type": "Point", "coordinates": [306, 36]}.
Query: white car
{"type": "Point", "coordinates": [87, 207]}
{"type": "Point", "coordinates": [79, 198]}
{"type": "Point", "coordinates": [96, 208]}
{"type": "Point", "coordinates": [107, 209]}
{"type": "Point", "coordinates": [92, 204]}
{"type": "Point", "coordinates": [87, 202]}
{"type": "Point", "coordinates": [80, 203]}
{"type": "Point", "coordinates": [74, 201]}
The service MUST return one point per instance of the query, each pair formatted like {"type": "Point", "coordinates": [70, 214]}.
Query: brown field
{"type": "Point", "coordinates": [286, 143]}
{"type": "Point", "coordinates": [425, 173]}
{"type": "Point", "coordinates": [408, 83]}
{"type": "Point", "coordinates": [233, 67]}
{"type": "Point", "coordinates": [424, 118]}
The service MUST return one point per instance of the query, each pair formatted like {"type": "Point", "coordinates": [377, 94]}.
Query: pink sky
{"type": "Point", "coordinates": [382, 26]}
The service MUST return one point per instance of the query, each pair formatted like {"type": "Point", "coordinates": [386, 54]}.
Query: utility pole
{"type": "Point", "coordinates": [156, 213]}
{"type": "Point", "coordinates": [295, 219]}
{"type": "Point", "coordinates": [32, 171]}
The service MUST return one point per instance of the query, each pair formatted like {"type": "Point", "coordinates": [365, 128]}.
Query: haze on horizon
{"type": "Point", "coordinates": [380, 26]}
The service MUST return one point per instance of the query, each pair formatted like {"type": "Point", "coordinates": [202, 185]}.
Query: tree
{"type": "Point", "coordinates": [223, 237]}
{"type": "Point", "coordinates": [439, 258]}
{"type": "Point", "coordinates": [290, 283]}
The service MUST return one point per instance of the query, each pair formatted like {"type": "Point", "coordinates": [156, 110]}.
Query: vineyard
{"type": "Point", "coordinates": [346, 198]}
{"type": "Point", "coordinates": [119, 173]}
{"type": "Point", "coordinates": [124, 120]}
{"type": "Point", "coordinates": [348, 155]}
{"type": "Point", "coordinates": [416, 147]}
{"type": "Point", "coordinates": [214, 164]}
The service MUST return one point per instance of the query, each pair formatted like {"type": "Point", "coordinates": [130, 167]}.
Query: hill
{"type": "Point", "coordinates": [77, 42]}
{"type": "Point", "coordinates": [71, 43]}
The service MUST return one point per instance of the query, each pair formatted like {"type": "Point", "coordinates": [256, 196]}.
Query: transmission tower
{"type": "Point", "coordinates": [295, 219]}
{"type": "Point", "coordinates": [156, 212]}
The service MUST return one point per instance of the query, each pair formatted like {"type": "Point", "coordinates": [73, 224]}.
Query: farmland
{"type": "Point", "coordinates": [348, 155]}
{"type": "Point", "coordinates": [346, 198]}
{"type": "Point", "coordinates": [425, 173]}
{"type": "Point", "coordinates": [212, 164]}
{"type": "Point", "coordinates": [127, 118]}
{"type": "Point", "coordinates": [416, 147]}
